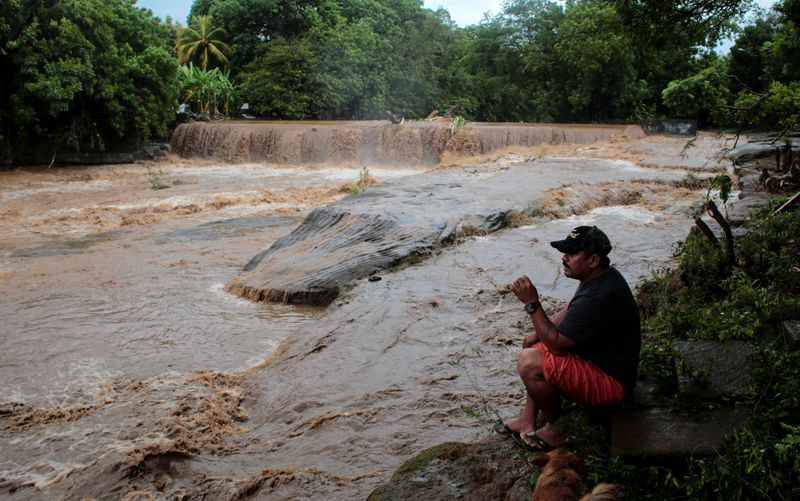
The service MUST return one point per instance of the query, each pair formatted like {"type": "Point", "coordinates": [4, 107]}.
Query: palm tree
{"type": "Point", "coordinates": [200, 40]}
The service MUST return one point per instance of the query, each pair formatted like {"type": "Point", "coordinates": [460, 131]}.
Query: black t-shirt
{"type": "Point", "coordinates": [603, 320]}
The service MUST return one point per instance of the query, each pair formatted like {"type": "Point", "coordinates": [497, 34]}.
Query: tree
{"type": "Point", "coordinates": [82, 73]}
{"type": "Point", "coordinates": [252, 23]}
{"type": "Point", "coordinates": [496, 68]}
{"type": "Point", "coordinates": [280, 82]}
{"type": "Point", "coordinates": [681, 23]}
{"type": "Point", "coordinates": [346, 58]}
{"type": "Point", "coordinates": [599, 78]}
{"type": "Point", "coordinates": [540, 61]}
{"type": "Point", "coordinates": [758, 86]}
{"type": "Point", "coordinates": [352, 71]}
{"type": "Point", "coordinates": [750, 55]}
{"type": "Point", "coordinates": [784, 51]}
{"type": "Point", "coordinates": [703, 96]}
{"type": "Point", "coordinates": [202, 41]}
{"type": "Point", "coordinates": [670, 39]}
{"type": "Point", "coordinates": [206, 89]}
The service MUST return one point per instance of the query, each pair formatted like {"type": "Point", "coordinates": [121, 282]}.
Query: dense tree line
{"type": "Point", "coordinates": [82, 73]}
{"type": "Point", "coordinates": [85, 72]}
{"type": "Point", "coordinates": [537, 60]}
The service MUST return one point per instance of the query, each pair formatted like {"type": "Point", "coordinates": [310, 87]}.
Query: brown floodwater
{"type": "Point", "coordinates": [128, 370]}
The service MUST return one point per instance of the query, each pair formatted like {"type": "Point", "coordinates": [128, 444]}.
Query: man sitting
{"type": "Point", "coordinates": [588, 352]}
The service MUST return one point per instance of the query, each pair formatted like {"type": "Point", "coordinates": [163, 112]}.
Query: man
{"type": "Point", "coordinates": [588, 352]}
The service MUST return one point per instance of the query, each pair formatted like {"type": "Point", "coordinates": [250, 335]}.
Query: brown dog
{"type": "Point", "coordinates": [560, 482]}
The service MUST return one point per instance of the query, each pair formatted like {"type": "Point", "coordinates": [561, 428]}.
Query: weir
{"type": "Point", "coordinates": [417, 143]}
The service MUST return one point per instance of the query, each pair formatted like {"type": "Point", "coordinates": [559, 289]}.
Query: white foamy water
{"type": "Point", "coordinates": [58, 188]}
{"type": "Point", "coordinates": [632, 214]}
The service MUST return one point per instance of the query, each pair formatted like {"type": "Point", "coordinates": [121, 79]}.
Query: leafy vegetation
{"type": "Point", "coordinates": [210, 92]}
{"type": "Point", "coordinates": [82, 73]}
{"type": "Point", "coordinates": [456, 125]}
{"type": "Point", "coordinates": [536, 60]}
{"type": "Point", "coordinates": [154, 178]}
{"type": "Point", "coordinates": [756, 85]}
{"type": "Point", "coordinates": [364, 180]}
{"type": "Point", "coordinates": [201, 41]}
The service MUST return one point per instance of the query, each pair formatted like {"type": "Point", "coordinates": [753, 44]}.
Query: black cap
{"type": "Point", "coordinates": [588, 238]}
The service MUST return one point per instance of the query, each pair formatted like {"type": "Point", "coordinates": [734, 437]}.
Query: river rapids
{"type": "Point", "coordinates": [128, 371]}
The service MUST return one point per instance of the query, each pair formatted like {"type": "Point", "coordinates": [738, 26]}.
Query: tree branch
{"type": "Point", "coordinates": [714, 212]}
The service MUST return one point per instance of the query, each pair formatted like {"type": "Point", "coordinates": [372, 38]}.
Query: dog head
{"type": "Point", "coordinates": [558, 480]}
{"type": "Point", "coordinates": [558, 459]}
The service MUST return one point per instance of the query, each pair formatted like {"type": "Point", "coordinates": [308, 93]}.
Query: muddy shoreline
{"type": "Point", "coordinates": [331, 406]}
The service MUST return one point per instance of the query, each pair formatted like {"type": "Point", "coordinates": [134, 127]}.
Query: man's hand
{"type": "Point", "coordinates": [530, 340]}
{"type": "Point", "coordinates": [524, 289]}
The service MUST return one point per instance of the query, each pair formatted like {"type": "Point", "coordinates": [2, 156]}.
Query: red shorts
{"type": "Point", "coordinates": [580, 381]}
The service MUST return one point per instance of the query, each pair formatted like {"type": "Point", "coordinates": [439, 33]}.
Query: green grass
{"type": "Point", "coordinates": [154, 178]}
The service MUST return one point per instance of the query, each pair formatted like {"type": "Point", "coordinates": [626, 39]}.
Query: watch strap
{"type": "Point", "coordinates": [532, 307]}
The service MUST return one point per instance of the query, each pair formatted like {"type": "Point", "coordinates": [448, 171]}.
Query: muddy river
{"type": "Point", "coordinates": [127, 370]}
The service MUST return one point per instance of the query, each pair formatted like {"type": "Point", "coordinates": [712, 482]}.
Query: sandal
{"type": "Point", "coordinates": [533, 442]}
{"type": "Point", "coordinates": [504, 430]}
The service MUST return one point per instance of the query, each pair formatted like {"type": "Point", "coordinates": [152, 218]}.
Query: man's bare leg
{"type": "Point", "coordinates": [541, 395]}
{"type": "Point", "coordinates": [526, 422]}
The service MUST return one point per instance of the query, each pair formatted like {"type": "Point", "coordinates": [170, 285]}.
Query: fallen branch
{"type": "Point", "coordinates": [792, 200]}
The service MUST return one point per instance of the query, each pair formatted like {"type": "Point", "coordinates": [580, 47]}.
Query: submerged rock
{"type": "Point", "coordinates": [363, 234]}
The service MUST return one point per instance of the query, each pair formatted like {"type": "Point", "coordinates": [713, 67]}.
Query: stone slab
{"type": "Point", "coordinates": [791, 334]}
{"type": "Point", "coordinates": [723, 369]}
{"type": "Point", "coordinates": [658, 433]}
{"type": "Point", "coordinates": [673, 127]}
{"type": "Point", "coordinates": [753, 151]}
{"type": "Point", "coordinates": [372, 231]}
{"type": "Point", "coordinates": [739, 211]}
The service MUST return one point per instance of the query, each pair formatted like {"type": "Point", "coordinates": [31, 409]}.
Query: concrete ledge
{"type": "Point", "coordinates": [658, 433]}
{"type": "Point", "coordinates": [673, 127]}
{"type": "Point", "coordinates": [716, 370]}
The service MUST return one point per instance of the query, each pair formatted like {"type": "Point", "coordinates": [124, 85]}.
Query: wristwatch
{"type": "Point", "coordinates": [532, 307]}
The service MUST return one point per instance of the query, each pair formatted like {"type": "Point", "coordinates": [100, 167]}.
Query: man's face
{"type": "Point", "coordinates": [578, 265]}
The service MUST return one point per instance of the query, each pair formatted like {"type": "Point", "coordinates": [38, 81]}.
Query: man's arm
{"type": "Point", "coordinates": [560, 316]}
{"type": "Point", "coordinates": [545, 330]}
